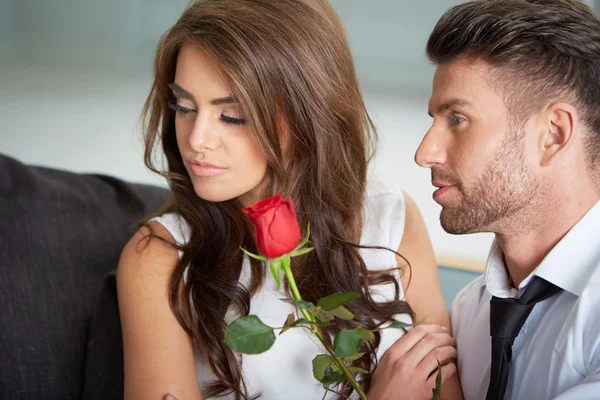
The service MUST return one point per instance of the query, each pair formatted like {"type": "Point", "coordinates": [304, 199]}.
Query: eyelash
{"type": "Point", "coordinates": [183, 111]}
{"type": "Point", "coordinates": [232, 121]}
{"type": "Point", "coordinates": [180, 109]}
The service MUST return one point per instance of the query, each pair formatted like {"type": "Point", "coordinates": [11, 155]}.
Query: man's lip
{"type": "Point", "coordinates": [440, 192]}
{"type": "Point", "coordinates": [441, 184]}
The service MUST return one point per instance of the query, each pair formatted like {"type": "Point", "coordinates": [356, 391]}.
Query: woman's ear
{"type": "Point", "coordinates": [559, 132]}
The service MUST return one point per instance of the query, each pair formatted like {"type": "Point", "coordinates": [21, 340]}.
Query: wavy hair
{"type": "Point", "coordinates": [289, 65]}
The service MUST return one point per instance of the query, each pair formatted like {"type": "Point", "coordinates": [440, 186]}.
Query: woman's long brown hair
{"type": "Point", "coordinates": [289, 65]}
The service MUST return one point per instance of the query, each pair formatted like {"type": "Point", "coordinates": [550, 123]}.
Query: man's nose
{"type": "Point", "coordinates": [431, 151]}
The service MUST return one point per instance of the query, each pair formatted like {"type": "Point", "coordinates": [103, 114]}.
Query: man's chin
{"type": "Point", "coordinates": [457, 222]}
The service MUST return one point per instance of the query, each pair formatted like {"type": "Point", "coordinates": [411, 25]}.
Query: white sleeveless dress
{"type": "Point", "coordinates": [285, 370]}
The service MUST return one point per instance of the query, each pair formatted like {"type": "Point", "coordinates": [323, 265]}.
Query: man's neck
{"type": "Point", "coordinates": [525, 247]}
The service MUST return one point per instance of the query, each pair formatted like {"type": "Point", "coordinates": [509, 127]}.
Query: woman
{"type": "Point", "coordinates": [251, 98]}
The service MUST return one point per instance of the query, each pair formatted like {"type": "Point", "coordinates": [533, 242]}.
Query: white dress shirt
{"type": "Point", "coordinates": [557, 352]}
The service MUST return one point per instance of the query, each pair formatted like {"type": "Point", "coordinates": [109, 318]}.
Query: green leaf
{"type": "Point", "coordinates": [301, 252]}
{"type": "Point", "coordinates": [249, 335]}
{"type": "Point", "coordinates": [275, 266]}
{"type": "Point", "coordinates": [366, 334]}
{"type": "Point", "coordinates": [336, 300]}
{"type": "Point", "coordinates": [306, 305]}
{"type": "Point", "coordinates": [291, 318]}
{"type": "Point", "coordinates": [324, 316]}
{"type": "Point", "coordinates": [306, 237]}
{"type": "Point", "coordinates": [255, 256]}
{"type": "Point", "coordinates": [357, 370]}
{"type": "Point", "coordinates": [342, 313]}
{"type": "Point", "coordinates": [353, 357]}
{"type": "Point", "coordinates": [346, 343]}
{"type": "Point", "coordinates": [399, 325]}
{"type": "Point", "coordinates": [332, 376]}
{"type": "Point", "coordinates": [437, 390]}
{"type": "Point", "coordinates": [320, 363]}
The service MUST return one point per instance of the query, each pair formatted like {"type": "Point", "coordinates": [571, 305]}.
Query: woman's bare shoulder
{"type": "Point", "coordinates": [150, 248]}
{"type": "Point", "coordinates": [158, 353]}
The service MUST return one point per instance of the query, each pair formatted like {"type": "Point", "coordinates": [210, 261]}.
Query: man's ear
{"type": "Point", "coordinates": [560, 125]}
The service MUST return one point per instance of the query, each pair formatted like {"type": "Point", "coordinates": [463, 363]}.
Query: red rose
{"type": "Point", "coordinates": [276, 225]}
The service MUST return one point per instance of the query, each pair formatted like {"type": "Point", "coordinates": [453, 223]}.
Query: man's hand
{"type": "Point", "coordinates": [409, 368]}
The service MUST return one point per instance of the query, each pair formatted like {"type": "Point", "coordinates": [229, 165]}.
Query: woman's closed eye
{"type": "Point", "coordinates": [232, 120]}
{"type": "Point", "coordinates": [183, 111]}
{"type": "Point", "coordinates": [180, 109]}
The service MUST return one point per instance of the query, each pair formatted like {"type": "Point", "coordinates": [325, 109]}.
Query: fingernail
{"type": "Point", "coordinates": [444, 327]}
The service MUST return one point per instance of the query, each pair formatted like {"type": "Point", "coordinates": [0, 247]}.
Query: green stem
{"type": "Point", "coordinates": [285, 264]}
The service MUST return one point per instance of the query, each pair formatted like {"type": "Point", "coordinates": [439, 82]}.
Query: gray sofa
{"type": "Point", "coordinates": [61, 235]}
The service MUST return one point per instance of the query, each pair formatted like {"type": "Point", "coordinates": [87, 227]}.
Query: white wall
{"type": "Point", "coordinates": [86, 33]}
{"type": "Point", "coordinates": [6, 18]}
{"type": "Point", "coordinates": [7, 27]}
{"type": "Point", "coordinates": [388, 39]}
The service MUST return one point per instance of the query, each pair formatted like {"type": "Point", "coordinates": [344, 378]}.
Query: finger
{"type": "Point", "coordinates": [408, 341]}
{"type": "Point", "coordinates": [429, 364]}
{"type": "Point", "coordinates": [428, 344]}
{"type": "Point", "coordinates": [448, 371]}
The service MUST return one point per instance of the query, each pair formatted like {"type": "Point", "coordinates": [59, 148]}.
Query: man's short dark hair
{"type": "Point", "coordinates": [543, 51]}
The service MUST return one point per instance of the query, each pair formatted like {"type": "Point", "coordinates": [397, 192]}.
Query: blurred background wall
{"type": "Point", "coordinates": [74, 75]}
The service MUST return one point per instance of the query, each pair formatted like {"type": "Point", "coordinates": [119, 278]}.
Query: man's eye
{"type": "Point", "coordinates": [456, 120]}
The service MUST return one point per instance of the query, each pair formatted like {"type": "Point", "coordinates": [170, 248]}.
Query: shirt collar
{"type": "Point", "coordinates": [496, 279]}
{"type": "Point", "coordinates": [568, 265]}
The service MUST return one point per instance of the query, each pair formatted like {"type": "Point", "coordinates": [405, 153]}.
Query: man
{"type": "Point", "coordinates": [515, 150]}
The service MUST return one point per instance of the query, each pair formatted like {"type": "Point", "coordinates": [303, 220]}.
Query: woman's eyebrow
{"type": "Point", "coordinates": [223, 100]}
{"type": "Point", "coordinates": [187, 95]}
{"type": "Point", "coordinates": [184, 93]}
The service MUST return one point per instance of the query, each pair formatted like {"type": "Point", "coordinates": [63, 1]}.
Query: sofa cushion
{"type": "Point", "coordinates": [104, 372]}
{"type": "Point", "coordinates": [60, 235]}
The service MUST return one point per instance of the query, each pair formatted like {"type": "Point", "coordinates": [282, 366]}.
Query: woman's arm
{"type": "Point", "coordinates": [159, 354]}
{"type": "Point", "coordinates": [423, 291]}
{"type": "Point", "coordinates": [421, 283]}
{"type": "Point", "coordinates": [409, 368]}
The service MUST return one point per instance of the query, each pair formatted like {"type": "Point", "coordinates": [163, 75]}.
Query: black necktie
{"type": "Point", "coordinates": [507, 316]}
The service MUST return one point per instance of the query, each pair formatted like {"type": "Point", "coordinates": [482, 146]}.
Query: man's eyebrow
{"type": "Point", "coordinates": [184, 93]}
{"type": "Point", "coordinates": [449, 104]}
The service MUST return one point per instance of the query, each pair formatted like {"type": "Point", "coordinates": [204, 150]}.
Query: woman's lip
{"type": "Point", "coordinates": [207, 170]}
{"type": "Point", "coordinates": [440, 192]}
